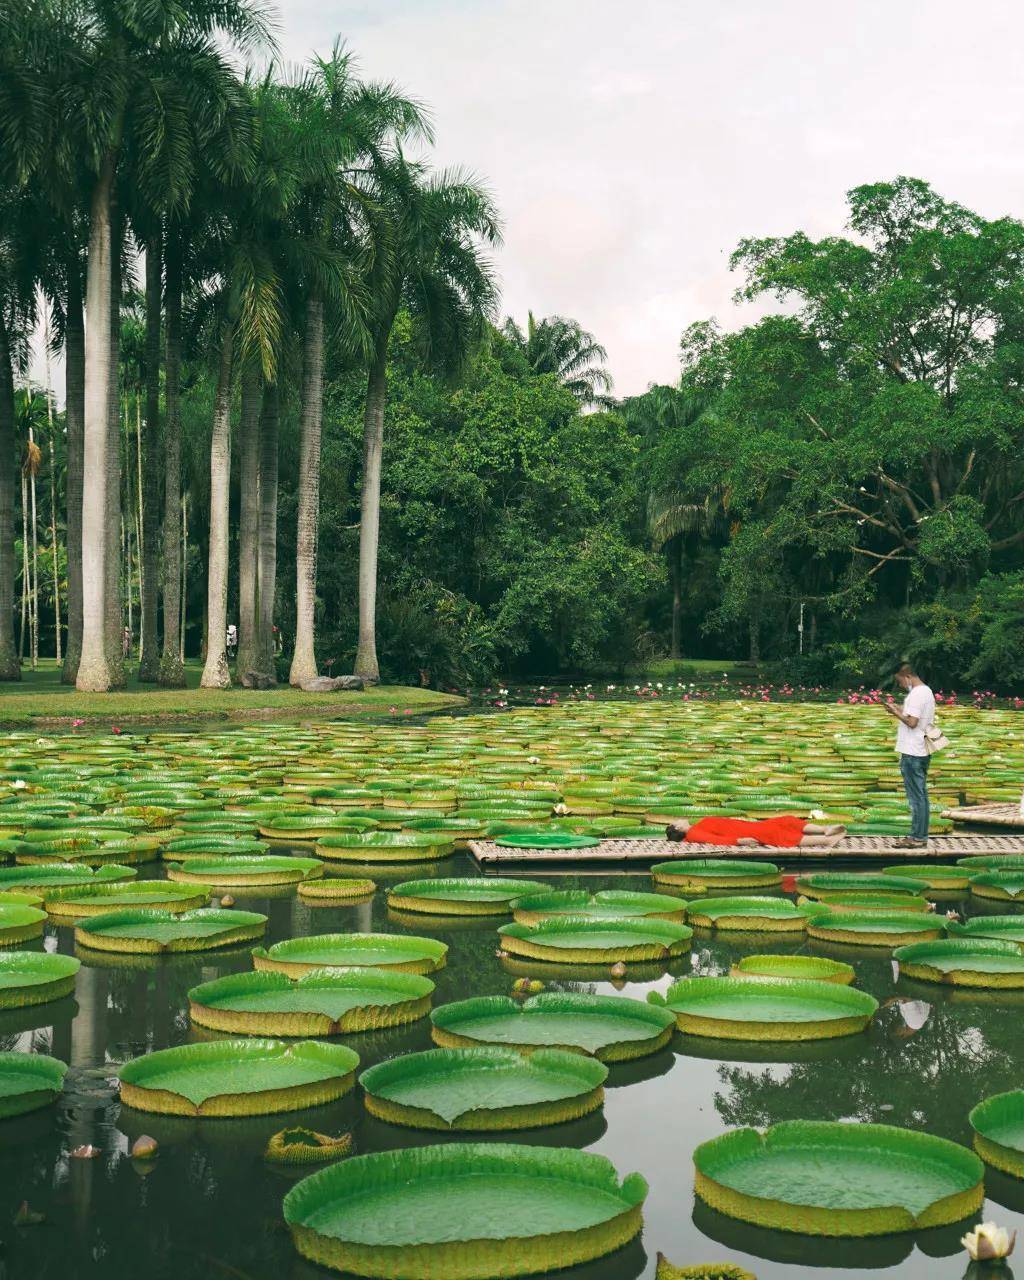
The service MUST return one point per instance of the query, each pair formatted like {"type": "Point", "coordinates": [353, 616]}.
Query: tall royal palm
{"type": "Point", "coordinates": [562, 347]}
{"type": "Point", "coordinates": [430, 234]}
{"type": "Point", "coordinates": [353, 123]}
{"type": "Point", "coordinates": [142, 62]}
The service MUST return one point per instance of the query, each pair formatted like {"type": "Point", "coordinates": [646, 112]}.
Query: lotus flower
{"type": "Point", "coordinates": [988, 1242]}
{"type": "Point", "coordinates": [561, 810]}
{"type": "Point", "coordinates": [88, 1152]}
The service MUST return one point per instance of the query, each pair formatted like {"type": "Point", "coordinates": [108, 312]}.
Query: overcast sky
{"type": "Point", "coordinates": [631, 143]}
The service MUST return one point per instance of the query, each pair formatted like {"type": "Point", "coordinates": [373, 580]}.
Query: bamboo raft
{"type": "Point", "coordinates": [988, 815]}
{"type": "Point", "coordinates": [850, 848]}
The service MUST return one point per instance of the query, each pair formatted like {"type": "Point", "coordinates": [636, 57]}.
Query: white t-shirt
{"type": "Point", "coordinates": [920, 702]}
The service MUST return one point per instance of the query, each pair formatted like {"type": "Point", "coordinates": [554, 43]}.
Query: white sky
{"type": "Point", "coordinates": [631, 143]}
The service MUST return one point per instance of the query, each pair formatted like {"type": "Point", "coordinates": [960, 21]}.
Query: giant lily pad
{"type": "Point", "coordinates": [444, 1211]}
{"type": "Point", "coordinates": [19, 923]}
{"type": "Point", "coordinates": [28, 1081]}
{"type": "Point", "coordinates": [386, 846]}
{"type": "Point", "coordinates": [612, 1028]}
{"type": "Point", "coordinates": [238, 1077]}
{"type": "Point", "coordinates": [815, 968]}
{"type": "Point", "coordinates": [484, 1088]}
{"type": "Point", "coordinates": [831, 1179]}
{"type": "Point", "coordinates": [606, 903]}
{"type": "Point", "coordinates": [875, 928]}
{"type": "Point", "coordinates": [964, 962]}
{"type": "Point", "coordinates": [461, 897]}
{"type": "Point", "coordinates": [327, 889]}
{"type": "Point", "coordinates": [998, 1124]}
{"type": "Point", "coordinates": [992, 862]}
{"type": "Point", "coordinates": [62, 875]}
{"type": "Point", "coordinates": [215, 847]}
{"type": "Point", "coordinates": [141, 895]}
{"type": "Point", "coordinates": [321, 1003]}
{"type": "Point", "coordinates": [767, 1008]}
{"type": "Point", "coordinates": [1006, 884]}
{"type": "Point", "coordinates": [716, 873]}
{"type": "Point", "coordinates": [297, 956]}
{"type": "Point", "coordinates": [749, 915]}
{"type": "Point", "coordinates": [547, 840]}
{"type": "Point", "coordinates": [35, 977]}
{"type": "Point", "coordinates": [850, 900]}
{"type": "Point", "coordinates": [152, 931]}
{"type": "Point", "coordinates": [243, 871]}
{"type": "Point", "coordinates": [822, 883]}
{"type": "Point", "coordinates": [1005, 928]}
{"type": "Point", "coordinates": [592, 940]}
{"type": "Point", "coordinates": [945, 879]}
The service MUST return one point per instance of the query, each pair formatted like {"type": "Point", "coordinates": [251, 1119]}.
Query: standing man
{"type": "Point", "coordinates": [915, 716]}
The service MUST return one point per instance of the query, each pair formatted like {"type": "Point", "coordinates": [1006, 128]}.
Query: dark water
{"type": "Point", "coordinates": [211, 1208]}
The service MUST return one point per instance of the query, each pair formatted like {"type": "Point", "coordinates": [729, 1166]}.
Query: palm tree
{"type": "Point", "coordinates": [428, 258]}
{"type": "Point", "coordinates": [354, 123]}
{"type": "Point", "coordinates": [561, 347]}
{"type": "Point", "coordinates": [151, 69]}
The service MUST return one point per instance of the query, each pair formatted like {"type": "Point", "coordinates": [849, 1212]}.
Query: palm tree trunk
{"type": "Point", "coordinates": [26, 625]}
{"type": "Point", "coordinates": [172, 671]}
{"type": "Point", "coordinates": [35, 555]}
{"type": "Point", "coordinates": [184, 583]}
{"type": "Point", "coordinates": [74, 419]}
{"type": "Point", "coordinates": [53, 482]}
{"type": "Point", "coordinates": [215, 671]}
{"type": "Point", "coordinates": [369, 523]}
{"type": "Point", "coordinates": [249, 657]}
{"type": "Point", "coordinates": [269, 421]}
{"type": "Point", "coordinates": [10, 667]}
{"type": "Point", "coordinates": [149, 492]}
{"type": "Point", "coordinates": [114, 618]}
{"type": "Point", "coordinates": [94, 674]}
{"type": "Point", "coordinates": [304, 666]}
{"type": "Point", "coordinates": [675, 566]}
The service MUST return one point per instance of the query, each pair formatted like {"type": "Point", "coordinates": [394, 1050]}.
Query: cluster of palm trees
{"type": "Point", "coordinates": [282, 216]}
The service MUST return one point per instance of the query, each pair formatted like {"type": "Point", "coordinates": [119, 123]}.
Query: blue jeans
{"type": "Point", "coordinates": [915, 782]}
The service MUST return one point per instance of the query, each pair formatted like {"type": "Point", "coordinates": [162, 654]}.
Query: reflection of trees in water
{"type": "Point", "coordinates": [929, 1081]}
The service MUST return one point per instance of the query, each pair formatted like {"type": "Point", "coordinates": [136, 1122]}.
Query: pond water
{"type": "Point", "coordinates": [211, 1208]}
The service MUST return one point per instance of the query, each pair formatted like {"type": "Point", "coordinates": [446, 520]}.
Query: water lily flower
{"type": "Point", "coordinates": [88, 1152]}
{"type": "Point", "coordinates": [989, 1241]}
{"type": "Point", "coordinates": [561, 809]}
{"type": "Point", "coordinates": [19, 784]}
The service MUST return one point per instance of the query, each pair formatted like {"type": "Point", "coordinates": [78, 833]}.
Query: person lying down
{"type": "Point", "coordinates": [784, 832]}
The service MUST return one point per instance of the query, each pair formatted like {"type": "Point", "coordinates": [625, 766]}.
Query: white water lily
{"type": "Point", "coordinates": [561, 810]}
{"type": "Point", "coordinates": [19, 784]}
{"type": "Point", "coordinates": [989, 1241]}
{"type": "Point", "coordinates": [816, 815]}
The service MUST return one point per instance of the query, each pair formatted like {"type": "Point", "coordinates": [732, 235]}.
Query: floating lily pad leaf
{"type": "Point", "coordinates": [593, 940]}
{"type": "Point", "coordinates": [767, 1008]}
{"type": "Point", "coordinates": [74, 903]}
{"type": "Point", "coordinates": [721, 873]}
{"type": "Point", "coordinates": [238, 1077]}
{"type": "Point", "coordinates": [336, 889]}
{"type": "Point", "coordinates": [35, 977]}
{"type": "Point", "coordinates": [28, 1081]}
{"type": "Point", "coordinates": [612, 1028]}
{"type": "Point", "coordinates": [464, 896]}
{"type": "Point", "coordinates": [823, 1178]}
{"type": "Point", "coordinates": [19, 923]}
{"type": "Point", "coordinates": [156, 931]}
{"type": "Point", "coordinates": [243, 871]}
{"type": "Point", "coordinates": [61, 875]}
{"type": "Point", "coordinates": [386, 846]}
{"type": "Point", "coordinates": [606, 903]}
{"type": "Point", "coordinates": [750, 915]}
{"type": "Point", "coordinates": [1003, 884]}
{"type": "Point", "coordinates": [484, 1088]}
{"type": "Point", "coordinates": [548, 840]}
{"type": "Point", "coordinates": [321, 1003]}
{"type": "Point", "coordinates": [296, 956]}
{"type": "Point", "coordinates": [518, 1210]}
{"type": "Point", "coordinates": [822, 883]}
{"type": "Point", "coordinates": [998, 1124]}
{"type": "Point", "coordinates": [814, 968]}
{"type": "Point", "coordinates": [876, 928]}
{"type": "Point", "coordinates": [1005, 928]}
{"type": "Point", "coordinates": [964, 962]}
{"type": "Point", "coordinates": [931, 875]}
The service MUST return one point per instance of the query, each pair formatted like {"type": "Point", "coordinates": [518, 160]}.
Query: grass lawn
{"type": "Point", "coordinates": [40, 698]}
{"type": "Point", "coordinates": [678, 668]}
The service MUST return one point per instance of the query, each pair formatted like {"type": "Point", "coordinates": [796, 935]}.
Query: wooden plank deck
{"type": "Point", "coordinates": [853, 848]}
{"type": "Point", "coordinates": [988, 815]}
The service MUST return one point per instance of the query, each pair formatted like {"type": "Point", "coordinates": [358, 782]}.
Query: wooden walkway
{"type": "Point", "coordinates": [988, 815]}
{"type": "Point", "coordinates": [852, 848]}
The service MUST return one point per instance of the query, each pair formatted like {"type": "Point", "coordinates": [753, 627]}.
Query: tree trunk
{"type": "Point", "coordinates": [755, 637]}
{"type": "Point", "coordinates": [249, 656]}
{"type": "Point", "coordinates": [369, 523]}
{"type": "Point", "coordinates": [304, 666]}
{"type": "Point", "coordinates": [34, 615]}
{"type": "Point", "coordinates": [25, 625]}
{"type": "Point", "coordinates": [184, 583]}
{"type": "Point", "coordinates": [114, 625]}
{"type": "Point", "coordinates": [269, 420]}
{"type": "Point", "coordinates": [53, 481]}
{"type": "Point", "coordinates": [172, 670]}
{"type": "Point", "coordinates": [675, 568]}
{"type": "Point", "coordinates": [74, 419]}
{"type": "Point", "coordinates": [149, 493]}
{"type": "Point", "coordinates": [215, 671]}
{"type": "Point", "coordinates": [94, 674]}
{"type": "Point", "coordinates": [10, 667]}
